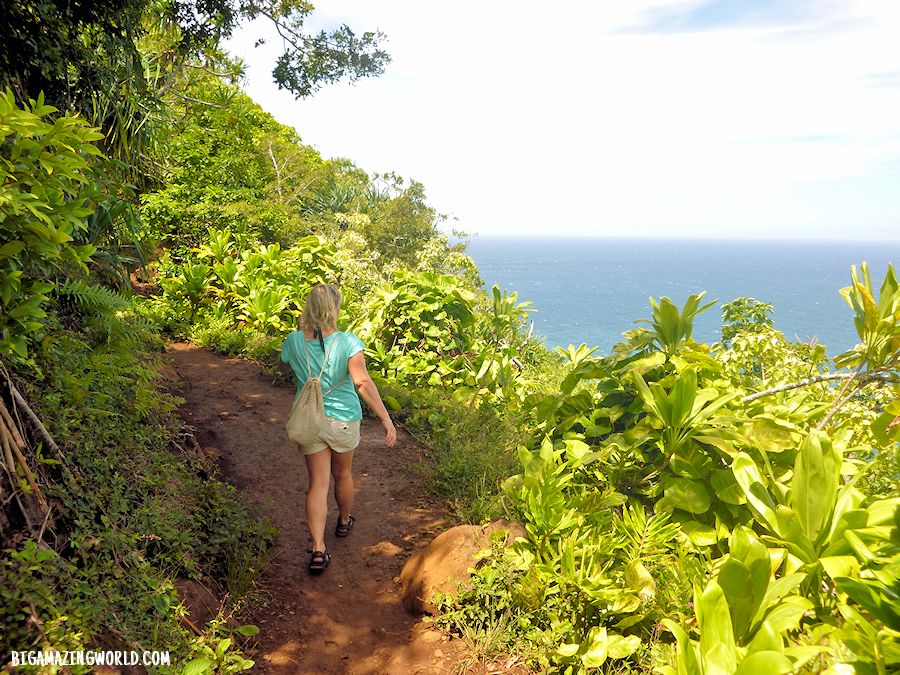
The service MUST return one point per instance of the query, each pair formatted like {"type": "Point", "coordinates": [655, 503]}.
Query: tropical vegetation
{"type": "Point", "coordinates": [689, 507]}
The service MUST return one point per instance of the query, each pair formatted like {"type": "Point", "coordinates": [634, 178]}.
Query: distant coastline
{"type": "Point", "coordinates": [686, 238]}
{"type": "Point", "coordinates": [593, 291]}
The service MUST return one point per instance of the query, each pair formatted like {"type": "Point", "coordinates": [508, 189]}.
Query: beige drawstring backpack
{"type": "Point", "coordinates": [308, 410]}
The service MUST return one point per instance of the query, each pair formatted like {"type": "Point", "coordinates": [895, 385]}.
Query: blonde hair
{"type": "Point", "coordinates": [323, 304]}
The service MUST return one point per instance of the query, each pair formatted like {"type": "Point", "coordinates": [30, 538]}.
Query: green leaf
{"type": "Point", "coordinates": [717, 648]}
{"type": "Point", "coordinates": [777, 589]}
{"type": "Point", "coordinates": [766, 639]}
{"type": "Point", "coordinates": [621, 646]}
{"type": "Point", "coordinates": [161, 604]}
{"type": "Point", "coordinates": [793, 535]}
{"type": "Point", "coordinates": [689, 461]}
{"type": "Point", "coordinates": [644, 392]}
{"type": "Point", "coordinates": [595, 655]}
{"type": "Point", "coordinates": [800, 655]}
{"type": "Point", "coordinates": [882, 602]}
{"type": "Point", "coordinates": [197, 666]}
{"type": "Point", "coordinates": [639, 579]}
{"type": "Point", "coordinates": [787, 615]}
{"type": "Point", "coordinates": [682, 395]}
{"type": "Point", "coordinates": [770, 663]}
{"type": "Point", "coordinates": [839, 544]}
{"type": "Point", "coordinates": [883, 511]}
{"type": "Point", "coordinates": [726, 488]}
{"type": "Point", "coordinates": [685, 656]}
{"type": "Point", "coordinates": [567, 651]}
{"type": "Point", "coordinates": [744, 586]}
{"type": "Point", "coordinates": [700, 534]}
{"type": "Point", "coordinates": [747, 475]}
{"type": "Point", "coordinates": [840, 566]}
{"type": "Point", "coordinates": [11, 248]}
{"type": "Point", "coordinates": [886, 427]}
{"type": "Point", "coordinates": [817, 473]}
{"type": "Point", "coordinates": [771, 434]}
{"type": "Point", "coordinates": [688, 495]}
{"type": "Point", "coordinates": [247, 629]}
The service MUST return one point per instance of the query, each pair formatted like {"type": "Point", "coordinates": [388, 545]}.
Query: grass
{"type": "Point", "coordinates": [470, 451]}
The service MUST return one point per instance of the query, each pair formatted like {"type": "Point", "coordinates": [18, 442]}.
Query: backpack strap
{"type": "Point", "coordinates": [306, 353]}
{"type": "Point", "coordinates": [337, 384]}
{"type": "Point", "coordinates": [324, 361]}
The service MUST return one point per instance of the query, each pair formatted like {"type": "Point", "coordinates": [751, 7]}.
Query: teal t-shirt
{"type": "Point", "coordinates": [342, 403]}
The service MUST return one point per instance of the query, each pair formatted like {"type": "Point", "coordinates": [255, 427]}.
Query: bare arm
{"type": "Point", "coordinates": [284, 367]}
{"type": "Point", "coordinates": [369, 393]}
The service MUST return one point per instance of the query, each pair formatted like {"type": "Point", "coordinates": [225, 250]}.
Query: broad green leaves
{"type": "Point", "coordinates": [597, 647]}
{"type": "Point", "coordinates": [877, 321]}
{"type": "Point", "coordinates": [742, 615]}
{"type": "Point", "coordinates": [684, 412]}
{"type": "Point", "coordinates": [820, 517]}
{"type": "Point", "coordinates": [669, 428]}
{"type": "Point", "coordinates": [429, 328]}
{"type": "Point", "coordinates": [717, 648]}
{"type": "Point", "coordinates": [45, 199]}
{"type": "Point", "coordinates": [689, 495]}
{"type": "Point", "coordinates": [672, 328]}
{"type": "Point", "coordinates": [817, 473]}
{"type": "Point", "coordinates": [263, 287]}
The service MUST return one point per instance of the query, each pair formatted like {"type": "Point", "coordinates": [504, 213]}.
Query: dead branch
{"type": "Point", "coordinates": [11, 425]}
{"type": "Point", "coordinates": [796, 385]}
{"type": "Point", "coordinates": [874, 376]}
{"type": "Point", "coordinates": [10, 466]}
{"type": "Point", "coordinates": [36, 423]}
{"type": "Point", "coordinates": [29, 476]}
{"type": "Point", "coordinates": [47, 519]}
{"type": "Point", "coordinates": [190, 624]}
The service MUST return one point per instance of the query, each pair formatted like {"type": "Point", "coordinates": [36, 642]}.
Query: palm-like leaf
{"type": "Point", "coordinates": [642, 538]}
{"type": "Point", "coordinates": [672, 328]}
{"type": "Point", "coordinates": [877, 321]}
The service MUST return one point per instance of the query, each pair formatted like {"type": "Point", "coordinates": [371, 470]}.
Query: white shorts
{"type": "Point", "coordinates": [338, 435]}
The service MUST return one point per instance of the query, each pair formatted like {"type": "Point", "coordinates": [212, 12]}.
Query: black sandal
{"type": "Point", "coordinates": [318, 561]}
{"type": "Point", "coordinates": [343, 529]}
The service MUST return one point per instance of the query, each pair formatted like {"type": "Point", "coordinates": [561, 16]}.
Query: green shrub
{"type": "Point", "coordinates": [143, 511]}
{"type": "Point", "coordinates": [46, 196]}
{"type": "Point", "coordinates": [655, 489]}
{"type": "Point", "coordinates": [471, 450]}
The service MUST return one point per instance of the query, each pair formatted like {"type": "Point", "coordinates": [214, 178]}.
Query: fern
{"type": "Point", "coordinates": [90, 298]}
{"type": "Point", "coordinates": [643, 538]}
{"type": "Point", "coordinates": [112, 330]}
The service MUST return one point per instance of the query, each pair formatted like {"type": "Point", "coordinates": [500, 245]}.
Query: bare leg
{"type": "Point", "coordinates": [342, 470]}
{"type": "Point", "coordinates": [319, 467]}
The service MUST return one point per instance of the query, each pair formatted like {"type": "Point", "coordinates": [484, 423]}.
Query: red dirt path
{"type": "Point", "coordinates": [349, 619]}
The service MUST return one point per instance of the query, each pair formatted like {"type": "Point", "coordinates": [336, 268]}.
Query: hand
{"type": "Point", "coordinates": [390, 433]}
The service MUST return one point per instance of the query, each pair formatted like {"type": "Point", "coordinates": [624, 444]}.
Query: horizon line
{"type": "Point", "coordinates": [686, 237]}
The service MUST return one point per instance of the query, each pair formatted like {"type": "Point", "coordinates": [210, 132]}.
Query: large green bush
{"type": "Point", "coordinates": [138, 513]}
{"type": "Point", "coordinates": [663, 485]}
{"type": "Point", "coordinates": [46, 194]}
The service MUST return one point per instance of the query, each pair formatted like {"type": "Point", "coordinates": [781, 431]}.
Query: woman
{"type": "Point", "coordinates": [344, 380]}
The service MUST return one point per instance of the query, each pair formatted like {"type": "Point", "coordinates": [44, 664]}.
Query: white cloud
{"type": "Point", "coordinates": [519, 118]}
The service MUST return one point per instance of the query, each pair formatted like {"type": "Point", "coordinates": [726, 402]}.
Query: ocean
{"type": "Point", "coordinates": [591, 290]}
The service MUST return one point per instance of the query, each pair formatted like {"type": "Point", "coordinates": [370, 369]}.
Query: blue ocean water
{"type": "Point", "coordinates": [591, 290]}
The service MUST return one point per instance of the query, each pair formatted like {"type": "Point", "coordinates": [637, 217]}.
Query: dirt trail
{"type": "Point", "coordinates": [349, 619]}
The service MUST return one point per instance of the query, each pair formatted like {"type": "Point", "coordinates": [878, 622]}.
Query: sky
{"type": "Point", "coordinates": [646, 118]}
